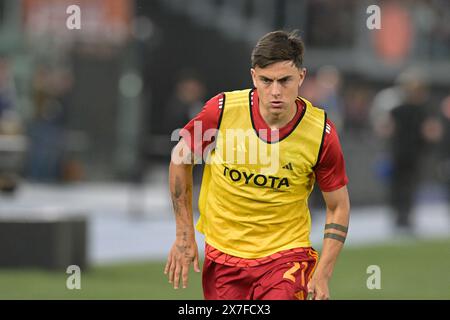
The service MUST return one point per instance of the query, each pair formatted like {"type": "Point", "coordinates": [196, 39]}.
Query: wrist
{"type": "Point", "coordinates": [322, 273]}
{"type": "Point", "coordinates": [185, 233]}
{"type": "Point", "coordinates": [322, 277]}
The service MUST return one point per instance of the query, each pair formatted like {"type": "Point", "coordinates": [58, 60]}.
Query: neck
{"type": "Point", "coordinates": [277, 121]}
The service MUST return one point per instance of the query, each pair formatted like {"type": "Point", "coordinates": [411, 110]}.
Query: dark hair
{"type": "Point", "coordinates": [278, 46]}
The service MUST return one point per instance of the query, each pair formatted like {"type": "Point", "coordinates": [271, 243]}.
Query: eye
{"type": "Point", "coordinates": [266, 81]}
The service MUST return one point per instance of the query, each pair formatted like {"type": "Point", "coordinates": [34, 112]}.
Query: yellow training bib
{"type": "Point", "coordinates": [254, 194]}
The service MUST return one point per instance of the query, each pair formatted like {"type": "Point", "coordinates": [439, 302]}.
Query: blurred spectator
{"type": "Point", "coordinates": [409, 131]}
{"type": "Point", "coordinates": [185, 103]}
{"type": "Point", "coordinates": [357, 102]}
{"type": "Point", "coordinates": [383, 103]}
{"type": "Point", "coordinates": [389, 98]}
{"type": "Point", "coordinates": [47, 127]}
{"type": "Point", "coordinates": [324, 90]}
{"type": "Point", "coordinates": [328, 82]}
{"type": "Point", "coordinates": [380, 121]}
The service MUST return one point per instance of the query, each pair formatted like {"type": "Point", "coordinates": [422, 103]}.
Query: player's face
{"type": "Point", "coordinates": [278, 86]}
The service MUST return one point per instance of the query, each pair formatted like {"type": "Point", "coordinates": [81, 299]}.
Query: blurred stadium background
{"type": "Point", "coordinates": [86, 118]}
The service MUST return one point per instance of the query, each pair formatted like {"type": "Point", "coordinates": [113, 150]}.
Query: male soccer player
{"type": "Point", "coordinates": [255, 215]}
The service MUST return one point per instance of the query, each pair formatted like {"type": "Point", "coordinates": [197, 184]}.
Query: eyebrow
{"type": "Point", "coordinates": [282, 79]}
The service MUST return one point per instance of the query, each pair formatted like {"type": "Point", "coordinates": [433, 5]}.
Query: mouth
{"type": "Point", "coordinates": [276, 104]}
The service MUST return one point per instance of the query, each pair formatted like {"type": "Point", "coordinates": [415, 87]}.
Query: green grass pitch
{"type": "Point", "coordinates": [413, 270]}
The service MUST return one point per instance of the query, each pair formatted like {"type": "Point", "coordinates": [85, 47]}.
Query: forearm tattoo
{"type": "Point", "coordinates": [335, 236]}
{"type": "Point", "coordinates": [180, 197]}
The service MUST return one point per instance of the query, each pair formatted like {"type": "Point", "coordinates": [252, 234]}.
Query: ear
{"type": "Point", "coordinates": [253, 73]}
{"type": "Point", "coordinates": [302, 73]}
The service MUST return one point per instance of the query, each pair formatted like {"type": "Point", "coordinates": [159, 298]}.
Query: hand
{"type": "Point", "coordinates": [183, 253]}
{"type": "Point", "coordinates": [318, 289]}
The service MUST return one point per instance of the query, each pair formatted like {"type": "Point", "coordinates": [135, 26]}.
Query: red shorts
{"type": "Point", "coordinates": [285, 278]}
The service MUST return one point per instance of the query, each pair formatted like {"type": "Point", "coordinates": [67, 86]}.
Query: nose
{"type": "Point", "coordinates": [275, 90]}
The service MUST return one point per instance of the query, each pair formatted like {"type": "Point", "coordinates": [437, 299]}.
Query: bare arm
{"type": "Point", "coordinates": [184, 250]}
{"type": "Point", "coordinates": [337, 219]}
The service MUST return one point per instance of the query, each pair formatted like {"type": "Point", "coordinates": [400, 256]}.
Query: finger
{"type": "Point", "coordinates": [168, 263]}
{"type": "Point", "coordinates": [176, 281]}
{"type": "Point", "coordinates": [185, 273]}
{"type": "Point", "coordinates": [196, 266]}
{"type": "Point", "coordinates": [171, 271]}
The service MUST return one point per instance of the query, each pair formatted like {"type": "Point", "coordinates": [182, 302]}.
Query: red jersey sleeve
{"type": "Point", "coordinates": [330, 171]}
{"type": "Point", "coordinates": [201, 130]}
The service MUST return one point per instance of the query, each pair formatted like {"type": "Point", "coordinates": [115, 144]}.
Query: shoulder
{"type": "Point", "coordinates": [209, 115]}
{"type": "Point", "coordinates": [212, 108]}
{"type": "Point", "coordinates": [330, 170]}
{"type": "Point", "coordinates": [331, 146]}
{"type": "Point", "coordinates": [215, 102]}
{"type": "Point", "coordinates": [330, 133]}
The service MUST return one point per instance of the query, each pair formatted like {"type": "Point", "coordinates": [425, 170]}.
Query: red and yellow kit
{"type": "Point", "coordinates": [256, 219]}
